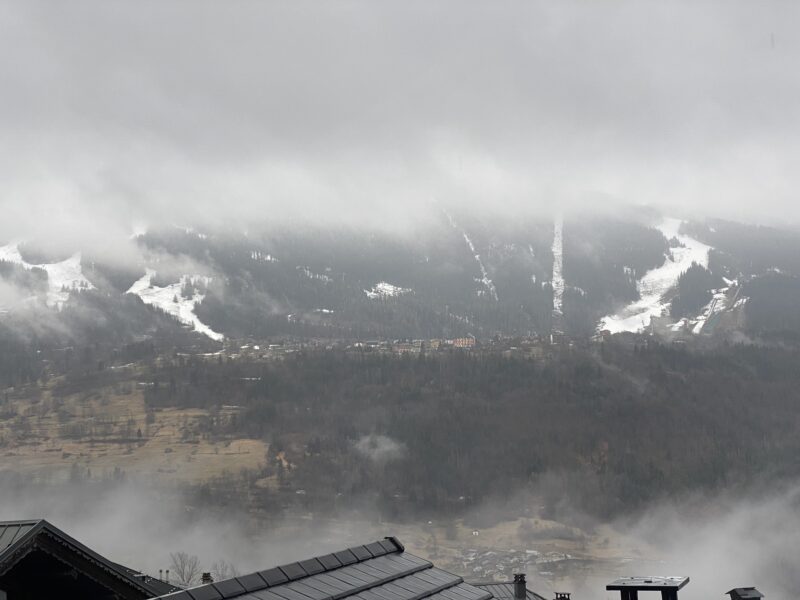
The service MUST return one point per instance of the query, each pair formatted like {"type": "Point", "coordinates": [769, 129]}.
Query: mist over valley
{"type": "Point", "coordinates": [399, 301]}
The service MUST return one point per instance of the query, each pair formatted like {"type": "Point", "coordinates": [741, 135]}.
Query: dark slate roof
{"type": "Point", "coordinates": [15, 537]}
{"type": "Point", "coordinates": [155, 585]}
{"type": "Point", "coordinates": [746, 593]}
{"type": "Point", "coordinates": [505, 591]}
{"type": "Point", "coordinates": [13, 531]}
{"type": "Point", "coordinates": [381, 570]}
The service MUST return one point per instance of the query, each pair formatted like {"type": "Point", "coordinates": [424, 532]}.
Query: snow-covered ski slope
{"type": "Point", "coordinates": [485, 280]}
{"type": "Point", "coordinates": [656, 282]}
{"type": "Point", "coordinates": [558, 265]}
{"type": "Point", "coordinates": [62, 277]}
{"type": "Point", "coordinates": [169, 299]}
{"type": "Point", "coordinates": [383, 289]}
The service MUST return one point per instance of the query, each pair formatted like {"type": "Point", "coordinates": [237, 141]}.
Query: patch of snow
{"type": "Point", "coordinates": [311, 275]}
{"type": "Point", "coordinates": [259, 256]}
{"type": "Point", "coordinates": [169, 299]}
{"type": "Point", "coordinates": [62, 277]}
{"type": "Point", "coordinates": [718, 303]}
{"type": "Point", "coordinates": [680, 325]}
{"type": "Point", "coordinates": [636, 316]}
{"type": "Point", "coordinates": [191, 231]}
{"type": "Point", "coordinates": [558, 265]}
{"type": "Point", "coordinates": [461, 319]}
{"type": "Point", "coordinates": [484, 279]}
{"type": "Point", "coordinates": [383, 289]}
{"type": "Point", "coordinates": [580, 290]}
{"type": "Point", "coordinates": [488, 283]}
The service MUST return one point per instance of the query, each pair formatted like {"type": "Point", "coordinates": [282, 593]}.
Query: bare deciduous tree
{"type": "Point", "coordinates": [222, 569]}
{"type": "Point", "coordinates": [186, 568]}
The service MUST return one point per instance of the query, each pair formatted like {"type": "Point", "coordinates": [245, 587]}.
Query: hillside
{"type": "Point", "coordinates": [611, 427]}
{"type": "Point", "coordinates": [458, 276]}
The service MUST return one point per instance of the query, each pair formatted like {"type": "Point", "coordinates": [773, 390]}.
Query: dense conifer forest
{"type": "Point", "coordinates": [617, 427]}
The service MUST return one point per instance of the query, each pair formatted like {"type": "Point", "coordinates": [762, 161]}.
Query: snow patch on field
{"type": "Point", "coordinates": [385, 290]}
{"type": "Point", "coordinates": [636, 316]}
{"type": "Point", "coordinates": [62, 277]}
{"type": "Point", "coordinates": [169, 299]}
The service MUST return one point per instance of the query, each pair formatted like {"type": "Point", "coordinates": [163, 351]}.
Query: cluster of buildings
{"type": "Point", "coordinates": [39, 561]}
{"type": "Point", "coordinates": [532, 347]}
{"type": "Point", "coordinates": [495, 564]}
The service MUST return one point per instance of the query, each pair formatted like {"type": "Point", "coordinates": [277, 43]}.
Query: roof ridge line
{"type": "Point", "coordinates": [21, 521]}
{"type": "Point", "coordinates": [115, 569]}
{"type": "Point", "coordinates": [361, 549]}
{"type": "Point", "coordinates": [360, 554]}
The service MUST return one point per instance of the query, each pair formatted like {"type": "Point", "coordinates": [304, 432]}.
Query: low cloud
{"type": "Point", "coordinates": [380, 448]}
{"type": "Point", "coordinates": [381, 112]}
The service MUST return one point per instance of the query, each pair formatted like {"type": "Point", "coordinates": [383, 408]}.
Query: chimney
{"type": "Point", "coordinates": [161, 574]}
{"type": "Point", "coordinates": [206, 578]}
{"type": "Point", "coordinates": [167, 580]}
{"type": "Point", "coordinates": [562, 596]}
{"type": "Point", "coordinates": [520, 590]}
{"type": "Point", "coordinates": [746, 593]}
{"type": "Point", "coordinates": [629, 587]}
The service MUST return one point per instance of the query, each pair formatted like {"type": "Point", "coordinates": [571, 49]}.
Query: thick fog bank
{"type": "Point", "coordinates": [719, 542]}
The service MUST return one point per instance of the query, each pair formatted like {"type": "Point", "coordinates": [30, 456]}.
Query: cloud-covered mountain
{"type": "Point", "coordinates": [460, 275]}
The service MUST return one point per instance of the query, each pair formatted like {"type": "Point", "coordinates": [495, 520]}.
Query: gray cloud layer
{"type": "Point", "coordinates": [115, 113]}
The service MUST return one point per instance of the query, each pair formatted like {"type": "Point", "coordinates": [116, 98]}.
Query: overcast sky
{"type": "Point", "coordinates": [115, 113]}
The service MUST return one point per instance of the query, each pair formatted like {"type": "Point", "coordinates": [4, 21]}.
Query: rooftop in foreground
{"type": "Point", "coordinates": [39, 560]}
{"type": "Point", "coordinates": [505, 590]}
{"type": "Point", "coordinates": [745, 593]}
{"type": "Point", "coordinates": [381, 570]}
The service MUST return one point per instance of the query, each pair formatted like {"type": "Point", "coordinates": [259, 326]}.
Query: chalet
{"type": "Point", "coordinates": [38, 560]}
{"type": "Point", "coordinates": [511, 591]}
{"type": "Point", "coordinates": [464, 342]}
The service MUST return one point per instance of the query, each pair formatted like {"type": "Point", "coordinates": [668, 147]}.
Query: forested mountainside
{"type": "Point", "coordinates": [456, 276]}
{"type": "Point", "coordinates": [611, 427]}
